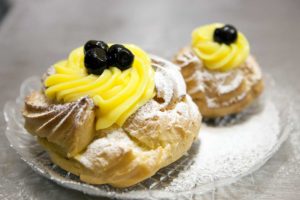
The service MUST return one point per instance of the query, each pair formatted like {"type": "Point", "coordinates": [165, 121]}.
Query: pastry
{"type": "Point", "coordinates": [221, 75]}
{"type": "Point", "coordinates": [112, 114]}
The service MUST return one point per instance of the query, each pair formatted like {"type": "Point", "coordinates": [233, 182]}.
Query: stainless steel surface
{"type": "Point", "coordinates": [37, 33]}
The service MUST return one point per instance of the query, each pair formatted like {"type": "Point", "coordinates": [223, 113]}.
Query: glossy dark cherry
{"type": "Point", "coordinates": [120, 56]}
{"type": "Point", "coordinates": [226, 34]}
{"type": "Point", "coordinates": [95, 61]}
{"type": "Point", "coordinates": [92, 44]}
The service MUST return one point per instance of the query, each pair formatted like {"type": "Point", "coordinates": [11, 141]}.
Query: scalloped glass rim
{"type": "Point", "coordinates": [30, 152]}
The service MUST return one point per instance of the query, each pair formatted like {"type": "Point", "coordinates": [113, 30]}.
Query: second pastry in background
{"type": "Point", "coordinates": [222, 76]}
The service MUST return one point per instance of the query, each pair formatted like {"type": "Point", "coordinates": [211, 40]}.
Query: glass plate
{"type": "Point", "coordinates": [171, 181]}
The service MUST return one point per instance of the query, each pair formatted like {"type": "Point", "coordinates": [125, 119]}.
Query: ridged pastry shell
{"type": "Point", "coordinates": [159, 133]}
{"type": "Point", "coordinates": [220, 93]}
{"type": "Point", "coordinates": [69, 127]}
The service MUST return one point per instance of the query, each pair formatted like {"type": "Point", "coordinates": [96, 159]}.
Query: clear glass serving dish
{"type": "Point", "coordinates": [222, 155]}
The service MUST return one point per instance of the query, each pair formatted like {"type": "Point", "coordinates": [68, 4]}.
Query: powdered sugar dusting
{"type": "Point", "coordinates": [211, 103]}
{"type": "Point", "coordinates": [224, 88]}
{"type": "Point", "coordinates": [227, 152]}
{"type": "Point", "coordinates": [172, 74]}
{"type": "Point", "coordinates": [164, 87]}
{"type": "Point", "coordinates": [169, 85]}
{"type": "Point", "coordinates": [216, 82]}
{"type": "Point", "coordinates": [114, 144]}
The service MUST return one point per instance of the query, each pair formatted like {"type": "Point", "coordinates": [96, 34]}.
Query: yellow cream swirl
{"type": "Point", "coordinates": [117, 94]}
{"type": "Point", "coordinates": [217, 56]}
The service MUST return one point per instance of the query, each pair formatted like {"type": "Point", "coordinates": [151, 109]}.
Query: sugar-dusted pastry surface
{"type": "Point", "coordinates": [157, 134]}
{"type": "Point", "coordinates": [69, 127]}
{"type": "Point", "coordinates": [219, 93]}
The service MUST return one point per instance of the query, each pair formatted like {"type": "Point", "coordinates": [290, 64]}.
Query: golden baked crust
{"type": "Point", "coordinates": [216, 93]}
{"type": "Point", "coordinates": [69, 127]}
{"type": "Point", "coordinates": [156, 135]}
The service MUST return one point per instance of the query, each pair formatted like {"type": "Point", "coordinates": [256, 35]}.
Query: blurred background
{"type": "Point", "coordinates": [36, 33]}
{"type": "Point", "coordinates": [4, 7]}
